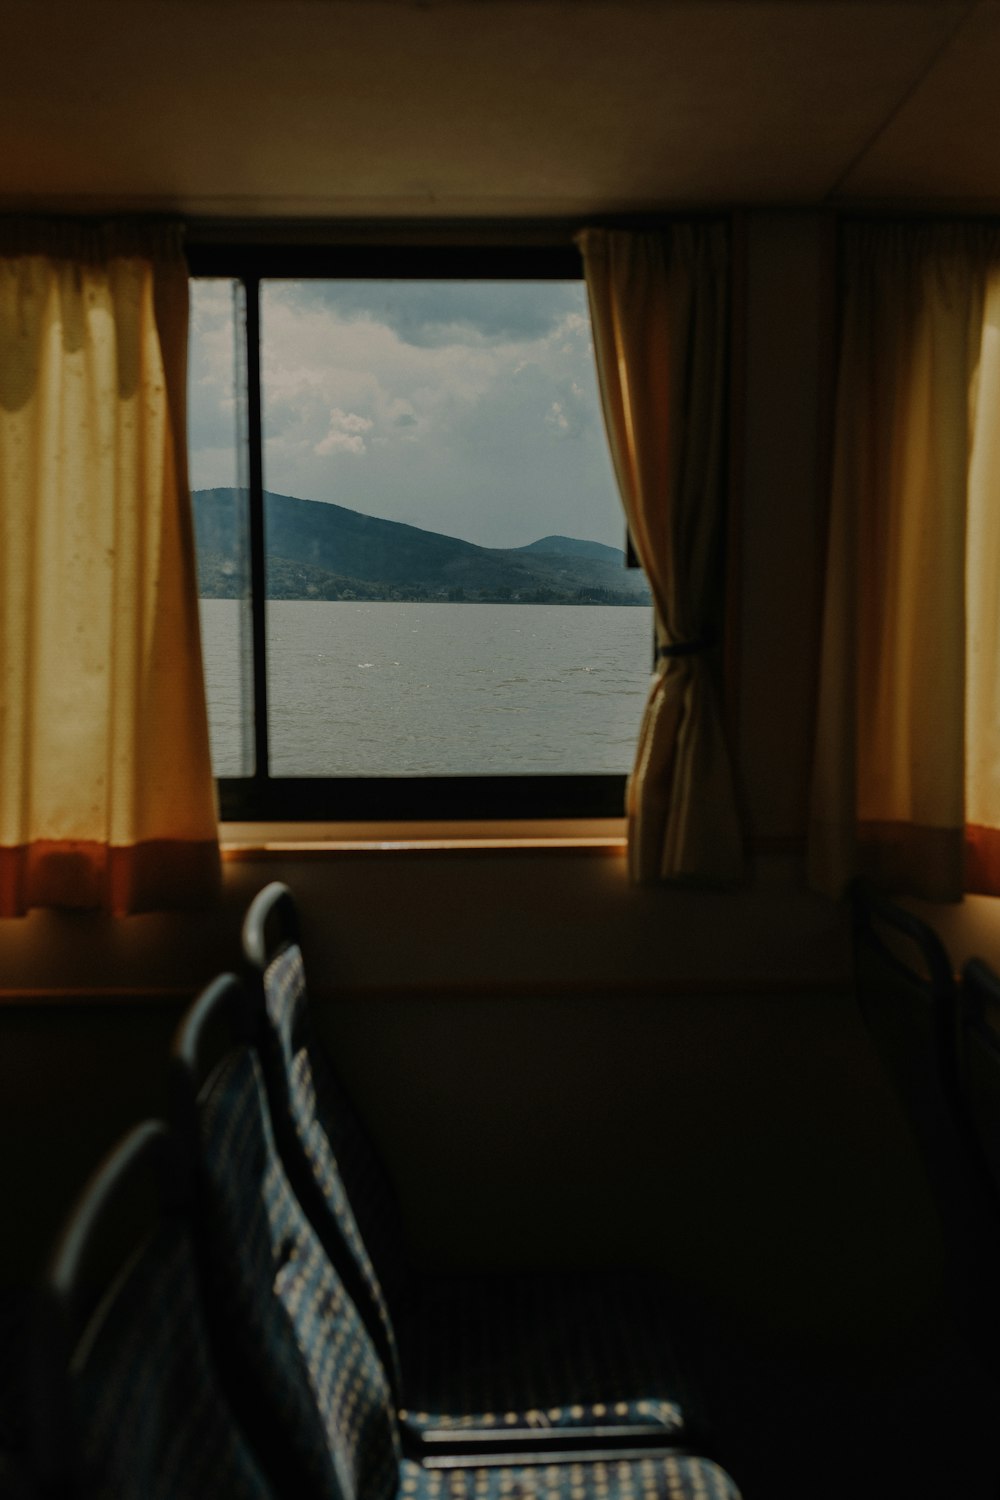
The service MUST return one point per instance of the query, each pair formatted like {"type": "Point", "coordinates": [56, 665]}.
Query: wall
{"type": "Point", "coordinates": [558, 1066]}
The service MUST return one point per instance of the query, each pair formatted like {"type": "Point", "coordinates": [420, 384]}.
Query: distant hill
{"type": "Point", "coordinates": [571, 546]}
{"type": "Point", "coordinates": [322, 551]}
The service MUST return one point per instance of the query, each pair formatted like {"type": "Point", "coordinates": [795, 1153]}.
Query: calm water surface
{"type": "Point", "coordinates": [362, 689]}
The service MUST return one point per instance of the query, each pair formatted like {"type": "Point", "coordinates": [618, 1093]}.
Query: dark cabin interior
{"type": "Point", "coordinates": [560, 1068]}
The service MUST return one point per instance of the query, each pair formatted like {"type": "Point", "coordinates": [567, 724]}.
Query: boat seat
{"type": "Point", "coordinates": [581, 1350]}
{"type": "Point", "coordinates": [127, 1397]}
{"type": "Point", "coordinates": [303, 1357]}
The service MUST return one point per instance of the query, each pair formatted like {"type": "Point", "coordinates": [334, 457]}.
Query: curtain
{"type": "Point", "coordinates": [908, 649]}
{"type": "Point", "coordinates": [982, 669]}
{"type": "Point", "coordinates": [106, 791]}
{"type": "Point", "coordinates": [659, 311]}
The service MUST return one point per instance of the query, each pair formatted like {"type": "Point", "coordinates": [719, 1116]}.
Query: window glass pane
{"type": "Point", "coordinates": [217, 463]}
{"type": "Point", "coordinates": [446, 585]}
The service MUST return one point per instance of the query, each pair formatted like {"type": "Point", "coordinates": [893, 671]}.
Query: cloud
{"type": "Point", "coordinates": [435, 314]}
{"type": "Point", "coordinates": [212, 427]}
{"type": "Point", "coordinates": [466, 432]}
{"type": "Point", "coordinates": [557, 419]}
{"type": "Point", "coordinates": [345, 433]}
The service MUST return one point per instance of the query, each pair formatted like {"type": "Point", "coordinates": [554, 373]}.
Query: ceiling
{"type": "Point", "coordinates": [496, 108]}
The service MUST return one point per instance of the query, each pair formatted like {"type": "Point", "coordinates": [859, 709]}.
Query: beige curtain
{"type": "Point", "coordinates": [982, 668]}
{"type": "Point", "coordinates": [106, 792]}
{"type": "Point", "coordinates": [913, 509]}
{"type": "Point", "coordinates": [659, 310]}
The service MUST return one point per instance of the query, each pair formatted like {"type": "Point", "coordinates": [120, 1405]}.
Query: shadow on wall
{"type": "Point", "coordinates": [749, 1146]}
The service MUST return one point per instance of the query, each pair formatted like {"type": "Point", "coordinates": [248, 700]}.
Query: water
{"type": "Point", "coordinates": [373, 689]}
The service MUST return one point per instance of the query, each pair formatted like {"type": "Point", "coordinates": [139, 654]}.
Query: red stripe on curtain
{"type": "Point", "coordinates": [912, 858]}
{"type": "Point", "coordinates": [982, 860]}
{"type": "Point", "coordinates": [88, 875]}
{"type": "Point", "coordinates": [106, 790]}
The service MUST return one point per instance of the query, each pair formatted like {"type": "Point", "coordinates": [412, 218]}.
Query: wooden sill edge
{"type": "Point", "coordinates": [243, 841]}
{"type": "Point", "coordinates": [604, 836]}
{"type": "Point", "coordinates": [806, 985]}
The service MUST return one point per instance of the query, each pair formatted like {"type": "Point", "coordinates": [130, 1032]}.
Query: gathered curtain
{"type": "Point", "coordinates": [106, 791]}
{"type": "Point", "coordinates": [906, 785]}
{"type": "Point", "coordinates": [659, 310]}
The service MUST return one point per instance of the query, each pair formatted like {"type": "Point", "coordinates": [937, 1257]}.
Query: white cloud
{"type": "Point", "coordinates": [345, 433]}
{"type": "Point", "coordinates": [211, 386]}
{"type": "Point", "coordinates": [557, 418]}
{"type": "Point", "coordinates": [461, 434]}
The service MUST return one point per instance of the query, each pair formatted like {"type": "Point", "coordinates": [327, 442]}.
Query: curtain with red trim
{"type": "Point", "coordinates": [106, 791]}
{"type": "Point", "coordinates": [906, 785]}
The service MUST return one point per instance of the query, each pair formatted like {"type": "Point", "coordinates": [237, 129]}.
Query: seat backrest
{"type": "Point", "coordinates": [909, 999]}
{"type": "Point", "coordinates": [979, 1061]}
{"type": "Point", "coordinates": [330, 1158]}
{"type": "Point", "coordinates": [127, 1399]}
{"type": "Point", "coordinates": [301, 1364]}
{"type": "Point", "coordinates": [16, 1327]}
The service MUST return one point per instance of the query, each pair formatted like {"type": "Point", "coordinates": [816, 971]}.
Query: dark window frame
{"type": "Point", "coordinates": [261, 796]}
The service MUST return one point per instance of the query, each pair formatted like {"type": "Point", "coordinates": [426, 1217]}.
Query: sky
{"type": "Point", "coordinates": [469, 408]}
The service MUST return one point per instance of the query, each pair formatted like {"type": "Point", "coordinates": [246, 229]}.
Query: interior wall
{"type": "Point", "coordinates": [969, 928]}
{"type": "Point", "coordinates": [560, 1066]}
{"type": "Point", "coordinates": [745, 1144]}
{"type": "Point", "coordinates": [789, 356]}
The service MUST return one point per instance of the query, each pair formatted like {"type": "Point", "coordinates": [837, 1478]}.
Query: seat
{"type": "Point", "coordinates": [979, 1063]}
{"type": "Point", "coordinates": [16, 1324]}
{"type": "Point", "coordinates": [302, 1356]}
{"type": "Point", "coordinates": [584, 1350]}
{"type": "Point", "coordinates": [909, 999]}
{"type": "Point", "coordinates": [127, 1400]}
{"type": "Point", "coordinates": [300, 1364]}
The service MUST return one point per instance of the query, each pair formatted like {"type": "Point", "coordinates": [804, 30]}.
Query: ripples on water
{"type": "Point", "coordinates": [432, 689]}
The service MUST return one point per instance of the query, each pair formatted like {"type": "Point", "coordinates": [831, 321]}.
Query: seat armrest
{"type": "Point", "coordinates": [472, 1447]}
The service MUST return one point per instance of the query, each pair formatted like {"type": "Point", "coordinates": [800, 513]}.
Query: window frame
{"type": "Point", "coordinates": [262, 797]}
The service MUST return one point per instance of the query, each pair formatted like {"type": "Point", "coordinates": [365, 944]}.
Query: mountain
{"type": "Point", "coordinates": [322, 551]}
{"type": "Point", "coordinates": [571, 546]}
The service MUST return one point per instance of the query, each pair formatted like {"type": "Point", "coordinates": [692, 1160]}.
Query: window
{"type": "Point", "coordinates": [414, 594]}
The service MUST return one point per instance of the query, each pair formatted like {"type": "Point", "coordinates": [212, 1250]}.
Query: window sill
{"type": "Point", "coordinates": [246, 841]}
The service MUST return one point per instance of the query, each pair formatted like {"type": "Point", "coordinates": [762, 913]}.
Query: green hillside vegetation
{"type": "Point", "coordinates": [327, 552]}
{"type": "Point", "coordinates": [571, 546]}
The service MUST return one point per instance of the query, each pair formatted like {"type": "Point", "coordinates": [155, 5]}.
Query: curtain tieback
{"type": "Point", "coordinates": [685, 648]}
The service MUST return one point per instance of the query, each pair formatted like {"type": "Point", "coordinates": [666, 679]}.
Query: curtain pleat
{"type": "Point", "coordinates": [982, 708]}
{"type": "Point", "coordinates": [106, 791]}
{"type": "Point", "coordinates": [912, 450]}
{"type": "Point", "coordinates": [659, 311]}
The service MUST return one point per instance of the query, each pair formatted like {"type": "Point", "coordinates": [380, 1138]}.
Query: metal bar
{"type": "Point", "coordinates": [465, 1441]}
{"type": "Point", "coordinates": [532, 1459]}
{"type": "Point", "coordinates": [416, 798]}
{"type": "Point", "coordinates": [376, 262]}
{"type": "Point", "coordinates": [258, 561]}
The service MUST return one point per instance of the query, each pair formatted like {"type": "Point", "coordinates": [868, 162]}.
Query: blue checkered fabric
{"type": "Point", "coordinates": [152, 1420]}
{"type": "Point", "coordinates": [656, 1477]}
{"type": "Point", "coordinates": [475, 1351]}
{"type": "Point", "coordinates": [352, 1179]}
{"type": "Point", "coordinates": [301, 1351]}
